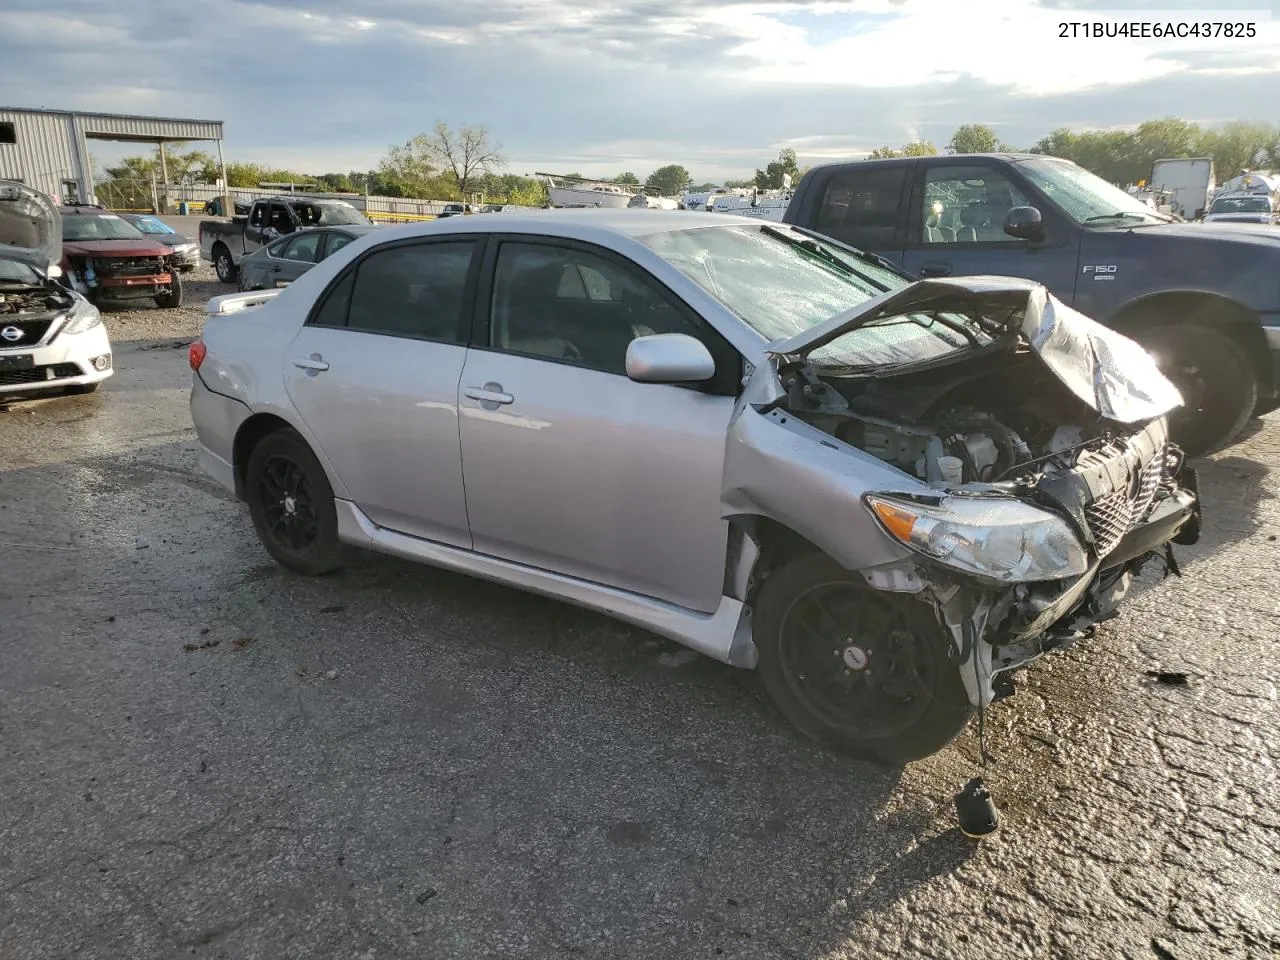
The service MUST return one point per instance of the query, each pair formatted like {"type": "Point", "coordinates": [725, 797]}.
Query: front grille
{"type": "Point", "coordinates": [130, 267]}
{"type": "Point", "coordinates": [33, 332]}
{"type": "Point", "coordinates": [58, 371]}
{"type": "Point", "coordinates": [1112, 516]}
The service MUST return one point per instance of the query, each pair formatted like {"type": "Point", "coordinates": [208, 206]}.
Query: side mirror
{"type": "Point", "coordinates": [669, 358]}
{"type": "Point", "coordinates": [1025, 223]}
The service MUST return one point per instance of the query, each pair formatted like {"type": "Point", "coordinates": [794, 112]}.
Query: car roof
{"type": "Point", "coordinates": [941, 157]}
{"type": "Point", "coordinates": [85, 209]}
{"type": "Point", "coordinates": [594, 224]}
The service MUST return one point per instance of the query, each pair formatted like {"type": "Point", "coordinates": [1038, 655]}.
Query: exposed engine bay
{"type": "Point", "coordinates": [992, 419]}
{"type": "Point", "coordinates": [28, 300]}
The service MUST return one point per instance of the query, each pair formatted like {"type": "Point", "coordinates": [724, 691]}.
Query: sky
{"type": "Point", "coordinates": [572, 85]}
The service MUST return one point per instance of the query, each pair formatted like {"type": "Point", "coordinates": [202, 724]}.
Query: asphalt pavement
{"type": "Point", "coordinates": [204, 755]}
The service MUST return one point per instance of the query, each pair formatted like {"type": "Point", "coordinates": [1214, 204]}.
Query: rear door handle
{"type": "Point", "coordinates": [490, 396]}
{"type": "Point", "coordinates": [313, 362]}
{"type": "Point", "coordinates": [935, 268]}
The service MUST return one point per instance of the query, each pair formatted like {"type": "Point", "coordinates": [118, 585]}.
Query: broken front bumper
{"type": "Point", "coordinates": [133, 288]}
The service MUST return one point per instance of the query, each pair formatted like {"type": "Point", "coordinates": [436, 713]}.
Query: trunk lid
{"type": "Point", "coordinates": [30, 226]}
{"type": "Point", "coordinates": [1106, 370]}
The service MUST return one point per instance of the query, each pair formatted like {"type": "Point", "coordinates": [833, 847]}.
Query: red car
{"type": "Point", "coordinates": [108, 259]}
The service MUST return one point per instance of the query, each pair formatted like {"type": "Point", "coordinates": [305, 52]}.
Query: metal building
{"type": "Point", "coordinates": [48, 149]}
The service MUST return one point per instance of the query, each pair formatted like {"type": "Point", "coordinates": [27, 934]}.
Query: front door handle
{"type": "Point", "coordinates": [312, 363]}
{"type": "Point", "coordinates": [935, 268]}
{"type": "Point", "coordinates": [490, 396]}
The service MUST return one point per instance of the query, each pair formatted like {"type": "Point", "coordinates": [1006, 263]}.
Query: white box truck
{"type": "Point", "coordinates": [1189, 182]}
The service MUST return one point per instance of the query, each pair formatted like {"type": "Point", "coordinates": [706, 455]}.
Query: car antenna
{"type": "Point", "coordinates": [975, 809]}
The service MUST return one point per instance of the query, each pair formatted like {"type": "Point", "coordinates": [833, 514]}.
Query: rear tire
{"type": "Point", "coordinates": [223, 264]}
{"type": "Point", "coordinates": [172, 299]}
{"type": "Point", "coordinates": [887, 690]}
{"type": "Point", "coordinates": [291, 503]}
{"type": "Point", "coordinates": [1218, 382]}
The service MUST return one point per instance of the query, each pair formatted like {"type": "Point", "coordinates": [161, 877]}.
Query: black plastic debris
{"type": "Point", "coordinates": [426, 895]}
{"type": "Point", "coordinates": [976, 811]}
{"type": "Point", "coordinates": [1170, 678]}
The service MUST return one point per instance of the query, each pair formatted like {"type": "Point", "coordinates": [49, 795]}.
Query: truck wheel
{"type": "Point", "coordinates": [173, 298]}
{"type": "Point", "coordinates": [861, 671]}
{"type": "Point", "coordinates": [223, 265]}
{"type": "Point", "coordinates": [1217, 380]}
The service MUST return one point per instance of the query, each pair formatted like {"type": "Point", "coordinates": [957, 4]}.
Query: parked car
{"type": "Point", "coordinates": [226, 242]}
{"type": "Point", "coordinates": [1201, 297]}
{"type": "Point", "coordinates": [282, 261]}
{"type": "Point", "coordinates": [451, 210]}
{"type": "Point", "coordinates": [109, 260]}
{"type": "Point", "coordinates": [186, 252]}
{"type": "Point", "coordinates": [51, 338]}
{"type": "Point", "coordinates": [886, 495]}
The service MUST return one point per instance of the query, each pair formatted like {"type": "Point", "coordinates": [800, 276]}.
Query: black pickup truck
{"type": "Point", "coordinates": [227, 242]}
{"type": "Point", "coordinates": [1203, 298]}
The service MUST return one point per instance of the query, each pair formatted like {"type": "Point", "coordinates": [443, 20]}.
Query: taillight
{"type": "Point", "coordinates": [195, 354]}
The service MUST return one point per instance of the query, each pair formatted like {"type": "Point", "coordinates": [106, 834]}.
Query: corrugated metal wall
{"type": "Point", "coordinates": [42, 156]}
{"type": "Point", "coordinates": [53, 147]}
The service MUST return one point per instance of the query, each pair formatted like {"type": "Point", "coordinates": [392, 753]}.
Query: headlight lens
{"type": "Point", "coordinates": [84, 316]}
{"type": "Point", "coordinates": [1001, 539]}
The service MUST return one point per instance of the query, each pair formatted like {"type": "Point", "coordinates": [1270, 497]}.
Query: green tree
{"type": "Point", "coordinates": [628, 178]}
{"type": "Point", "coordinates": [668, 181]}
{"type": "Point", "coordinates": [974, 138]}
{"type": "Point", "coordinates": [774, 175]}
{"type": "Point", "coordinates": [916, 148]}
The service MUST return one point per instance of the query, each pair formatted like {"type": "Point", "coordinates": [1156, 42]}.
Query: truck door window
{"type": "Point", "coordinates": [279, 218]}
{"type": "Point", "coordinates": [860, 206]}
{"type": "Point", "coordinates": [967, 204]}
{"type": "Point", "coordinates": [258, 215]}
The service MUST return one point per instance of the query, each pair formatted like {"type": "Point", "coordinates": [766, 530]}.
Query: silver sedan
{"type": "Point", "coordinates": [283, 261]}
{"type": "Point", "coordinates": [775, 449]}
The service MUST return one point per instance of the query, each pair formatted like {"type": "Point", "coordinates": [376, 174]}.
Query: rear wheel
{"type": "Point", "coordinates": [864, 672]}
{"type": "Point", "coordinates": [291, 503]}
{"type": "Point", "coordinates": [1217, 380]}
{"type": "Point", "coordinates": [223, 265]}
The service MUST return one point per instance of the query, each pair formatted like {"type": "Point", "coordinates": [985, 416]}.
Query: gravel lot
{"type": "Point", "coordinates": [203, 755]}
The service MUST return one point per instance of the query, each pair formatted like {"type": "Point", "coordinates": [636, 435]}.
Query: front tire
{"type": "Point", "coordinates": [864, 672]}
{"type": "Point", "coordinates": [223, 265]}
{"type": "Point", "coordinates": [1217, 380]}
{"type": "Point", "coordinates": [291, 503]}
{"type": "Point", "coordinates": [172, 299]}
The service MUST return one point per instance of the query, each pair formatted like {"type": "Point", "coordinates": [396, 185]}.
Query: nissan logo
{"type": "Point", "coordinates": [12, 334]}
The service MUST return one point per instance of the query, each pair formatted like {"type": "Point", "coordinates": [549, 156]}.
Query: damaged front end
{"type": "Point", "coordinates": [1015, 484]}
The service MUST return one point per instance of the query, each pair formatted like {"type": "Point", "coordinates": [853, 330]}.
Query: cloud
{"type": "Point", "coordinates": [719, 86]}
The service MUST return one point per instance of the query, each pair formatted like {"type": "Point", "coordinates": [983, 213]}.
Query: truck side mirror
{"type": "Point", "coordinates": [1025, 223]}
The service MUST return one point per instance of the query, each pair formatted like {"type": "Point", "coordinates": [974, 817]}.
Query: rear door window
{"type": "Point", "coordinates": [860, 207]}
{"type": "Point", "coordinates": [305, 247]}
{"type": "Point", "coordinates": [412, 290]}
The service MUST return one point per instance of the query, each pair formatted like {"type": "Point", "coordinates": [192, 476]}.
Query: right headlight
{"type": "Point", "coordinates": [1000, 539]}
{"type": "Point", "coordinates": [84, 316]}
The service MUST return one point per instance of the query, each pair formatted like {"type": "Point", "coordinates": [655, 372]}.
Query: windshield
{"type": "Point", "coordinates": [1241, 205]}
{"type": "Point", "coordinates": [15, 271]}
{"type": "Point", "coordinates": [98, 226]}
{"type": "Point", "coordinates": [1085, 197]}
{"type": "Point", "coordinates": [323, 213]}
{"type": "Point", "coordinates": [781, 282]}
{"type": "Point", "coordinates": [152, 225]}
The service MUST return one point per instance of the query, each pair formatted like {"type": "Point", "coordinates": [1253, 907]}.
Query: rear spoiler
{"type": "Point", "coordinates": [230, 303]}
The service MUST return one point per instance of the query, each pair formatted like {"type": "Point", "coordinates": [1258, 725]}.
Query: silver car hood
{"type": "Point", "coordinates": [30, 226]}
{"type": "Point", "coordinates": [1105, 369]}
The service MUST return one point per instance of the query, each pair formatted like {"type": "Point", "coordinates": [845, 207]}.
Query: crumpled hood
{"type": "Point", "coordinates": [115, 248]}
{"type": "Point", "coordinates": [30, 226]}
{"type": "Point", "coordinates": [1111, 373]}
